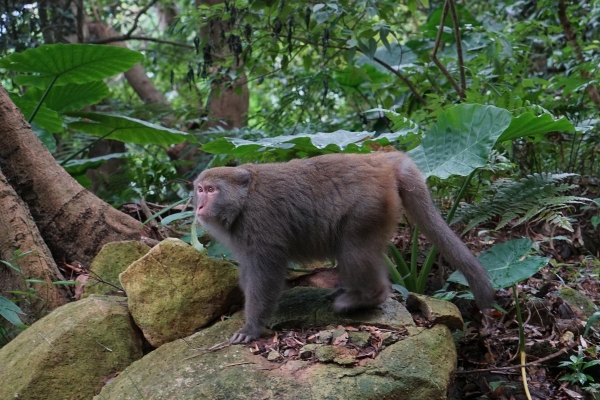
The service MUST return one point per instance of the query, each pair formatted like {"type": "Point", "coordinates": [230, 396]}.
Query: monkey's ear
{"type": "Point", "coordinates": [242, 176]}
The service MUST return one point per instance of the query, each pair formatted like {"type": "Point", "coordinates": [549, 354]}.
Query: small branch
{"type": "Point", "coordinates": [137, 17]}
{"type": "Point", "coordinates": [436, 46]}
{"type": "Point", "coordinates": [531, 364]}
{"type": "Point", "coordinates": [459, 52]}
{"type": "Point", "coordinates": [404, 79]}
{"type": "Point", "coordinates": [129, 33]}
{"type": "Point", "coordinates": [146, 38]}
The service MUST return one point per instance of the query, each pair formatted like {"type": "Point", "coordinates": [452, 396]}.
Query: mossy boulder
{"type": "Point", "coordinates": [112, 259]}
{"type": "Point", "coordinates": [175, 289]}
{"type": "Point", "coordinates": [419, 367]}
{"type": "Point", "coordinates": [71, 352]}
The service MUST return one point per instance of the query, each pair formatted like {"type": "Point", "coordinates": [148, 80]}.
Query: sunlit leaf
{"type": "Point", "coordinates": [70, 97]}
{"type": "Point", "coordinates": [528, 124]}
{"type": "Point", "coordinates": [45, 118]}
{"type": "Point", "coordinates": [126, 129]}
{"type": "Point", "coordinates": [9, 310]}
{"type": "Point", "coordinates": [461, 140]}
{"type": "Point", "coordinates": [506, 265]}
{"type": "Point", "coordinates": [69, 63]}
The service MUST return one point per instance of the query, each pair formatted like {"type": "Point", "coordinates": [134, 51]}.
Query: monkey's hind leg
{"type": "Point", "coordinates": [363, 276]}
{"type": "Point", "coordinates": [262, 283]}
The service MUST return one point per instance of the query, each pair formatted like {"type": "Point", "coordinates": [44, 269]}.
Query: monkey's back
{"type": "Point", "coordinates": [306, 208]}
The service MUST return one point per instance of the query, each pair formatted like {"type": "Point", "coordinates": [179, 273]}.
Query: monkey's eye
{"type": "Point", "coordinates": [210, 189]}
{"type": "Point", "coordinates": [200, 189]}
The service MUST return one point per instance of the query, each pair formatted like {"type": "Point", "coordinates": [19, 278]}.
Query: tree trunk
{"type": "Point", "coordinates": [167, 14]}
{"type": "Point", "coordinates": [74, 223]}
{"type": "Point", "coordinates": [136, 76]}
{"type": "Point", "coordinates": [139, 81]}
{"type": "Point", "coordinates": [228, 102]}
{"type": "Point", "coordinates": [19, 232]}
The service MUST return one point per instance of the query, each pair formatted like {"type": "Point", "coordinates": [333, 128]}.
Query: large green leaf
{"type": "Point", "coordinates": [529, 124]}
{"type": "Point", "coordinates": [45, 118]}
{"type": "Point", "coordinates": [80, 166]}
{"type": "Point", "coordinates": [461, 140]}
{"type": "Point", "coordinates": [10, 311]}
{"type": "Point", "coordinates": [70, 97]}
{"type": "Point", "coordinates": [127, 129]}
{"type": "Point", "coordinates": [69, 63]}
{"type": "Point", "coordinates": [286, 147]}
{"type": "Point", "coordinates": [505, 264]}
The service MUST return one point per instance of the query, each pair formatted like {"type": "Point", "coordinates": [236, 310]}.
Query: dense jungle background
{"type": "Point", "coordinates": [109, 109]}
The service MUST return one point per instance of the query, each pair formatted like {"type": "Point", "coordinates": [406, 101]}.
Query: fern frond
{"type": "Point", "coordinates": [537, 197]}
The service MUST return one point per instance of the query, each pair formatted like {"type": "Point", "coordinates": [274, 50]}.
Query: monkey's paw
{"type": "Point", "coordinates": [349, 301]}
{"type": "Point", "coordinates": [242, 338]}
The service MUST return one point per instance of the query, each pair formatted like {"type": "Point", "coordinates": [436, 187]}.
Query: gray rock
{"type": "Point", "coordinates": [336, 354]}
{"type": "Point", "coordinates": [418, 367]}
{"type": "Point", "coordinates": [435, 311]}
{"type": "Point", "coordinates": [273, 356]}
{"type": "Point", "coordinates": [360, 339]}
{"type": "Point", "coordinates": [175, 289]}
{"type": "Point", "coordinates": [325, 336]}
{"type": "Point", "coordinates": [71, 352]}
{"type": "Point", "coordinates": [306, 306]}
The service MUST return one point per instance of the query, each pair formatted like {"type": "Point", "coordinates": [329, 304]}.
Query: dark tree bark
{"type": "Point", "coordinates": [167, 13]}
{"type": "Point", "coordinates": [19, 232]}
{"type": "Point", "coordinates": [73, 222]}
{"type": "Point", "coordinates": [229, 101]}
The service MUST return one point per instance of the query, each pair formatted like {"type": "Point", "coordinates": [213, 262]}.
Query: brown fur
{"type": "Point", "coordinates": [342, 206]}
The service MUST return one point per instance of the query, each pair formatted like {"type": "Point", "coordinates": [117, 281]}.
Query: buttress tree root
{"type": "Point", "coordinates": [73, 222]}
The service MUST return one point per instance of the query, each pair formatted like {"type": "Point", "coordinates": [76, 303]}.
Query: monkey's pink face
{"type": "Point", "coordinates": [206, 194]}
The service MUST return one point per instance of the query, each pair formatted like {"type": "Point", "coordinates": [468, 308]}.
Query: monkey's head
{"type": "Point", "coordinates": [220, 193]}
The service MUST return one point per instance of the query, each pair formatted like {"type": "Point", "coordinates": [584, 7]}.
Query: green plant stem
{"type": "Point", "coordinates": [414, 251]}
{"type": "Point", "coordinates": [426, 268]}
{"type": "Point", "coordinates": [521, 340]}
{"type": "Point", "coordinates": [519, 319]}
{"type": "Point", "coordinates": [72, 156]}
{"type": "Point", "coordinates": [39, 104]}
{"type": "Point", "coordinates": [393, 271]}
{"type": "Point", "coordinates": [409, 282]}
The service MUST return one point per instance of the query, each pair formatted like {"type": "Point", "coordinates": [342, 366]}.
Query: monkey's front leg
{"type": "Point", "coordinates": [262, 283]}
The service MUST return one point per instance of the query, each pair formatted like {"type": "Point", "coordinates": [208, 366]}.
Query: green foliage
{"type": "Point", "coordinates": [536, 126]}
{"type": "Point", "coordinates": [577, 364]}
{"type": "Point", "coordinates": [336, 67]}
{"type": "Point", "coordinates": [126, 129]}
{"type": "Point", "coordinates": [537, 197]}
{"type": "Point", "coordinates": [595, 220]}
{"type": "Point", "coordinates": [10, 311]}
{"type": "Point", "coordinates": [30, 294]}
{"type": "Point", "coordinates": [506, 265]}
{"type": "Point", "coordinates": [590, 322]}
{"type": "Point", "coordinates": [461, 140]}
{"type": "Point", "coordinates": [61, 64]}
{"type": "Point", "coordinates": [66, 78]}
{"type": "Point", "coordinates": [283, 148]}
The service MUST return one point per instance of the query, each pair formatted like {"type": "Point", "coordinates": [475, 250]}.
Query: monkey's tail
{"type": "Point", "coordinates": [421, 210]}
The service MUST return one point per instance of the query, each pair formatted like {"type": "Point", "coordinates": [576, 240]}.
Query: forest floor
{"type": "Point", "coordinates": [551, 307]}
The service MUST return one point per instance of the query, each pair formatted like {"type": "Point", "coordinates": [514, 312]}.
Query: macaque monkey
{"type": "Point", "coordinates": [342, 206]}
